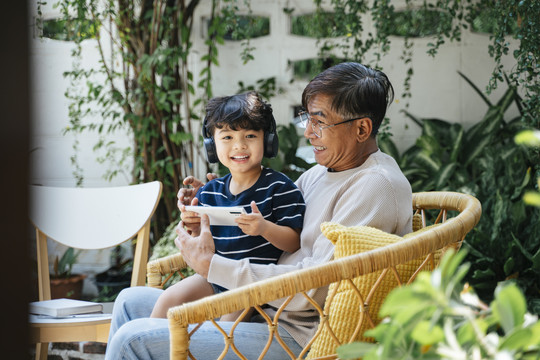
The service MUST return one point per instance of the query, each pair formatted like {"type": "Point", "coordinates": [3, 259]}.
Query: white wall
{"type": "Point", "coordinates": [438, 90]}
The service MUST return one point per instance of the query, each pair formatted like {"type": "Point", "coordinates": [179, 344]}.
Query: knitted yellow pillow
{"type": "Point", "coordinates": [343, 312]}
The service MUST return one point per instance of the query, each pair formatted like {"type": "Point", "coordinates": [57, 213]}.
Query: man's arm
{"type": "Point", "coordinates": [197, 251]}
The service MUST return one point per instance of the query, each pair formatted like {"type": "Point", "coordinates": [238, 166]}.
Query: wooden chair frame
{"type": "Point", "coordinates": [450, 233]}
{"type": "Point", "coordinates": [88, 218]}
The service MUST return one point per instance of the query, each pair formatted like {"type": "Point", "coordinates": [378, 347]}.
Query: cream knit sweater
{"type": "Point", "coordinates": [374, 194]}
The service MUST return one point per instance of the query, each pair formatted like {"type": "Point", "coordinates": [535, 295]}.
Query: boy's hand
{"type": "Point", "coordinates": [254, 223]}
{"type": "Point", "coordinates": [186, 195]}
{"type": "Point", "coordinates": [190, 219]}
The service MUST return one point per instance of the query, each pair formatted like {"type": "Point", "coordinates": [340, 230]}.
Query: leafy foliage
{"type": "Point", "coordinates": [69, 30]}
{"type": "Point", "coordinates": [144, 84]}
{"type": "Point", "coordinates": [530, 138]}
{"type": "Point", "coordinates": [484, 161]}
{"type": "Point", "coordinates": [64, 265]}
{"type": "Point", "coordinates": [420, 23]}
{"type": "Point", "coordinates": [286, 161]}
{"type": "Point", "coordinates": [436, 317]}
{"type": "Point", "coordinates": [518, 19]}
{"type": "Point", "coordinates": [165, 246]}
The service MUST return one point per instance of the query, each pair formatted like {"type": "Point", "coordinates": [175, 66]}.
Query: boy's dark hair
{"type": "Point", "coordinates": [241, 111]}
{"type": "Point", "coordinates": [356, 90]}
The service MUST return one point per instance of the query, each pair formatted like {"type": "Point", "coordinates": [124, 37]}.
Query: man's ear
{"type": "Point", "coordinates": [364, 128]}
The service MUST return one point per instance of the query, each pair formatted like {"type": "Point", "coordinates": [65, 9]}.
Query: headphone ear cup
{"type": "Point", "coordinates": [271, 141]}
{"type": "Point", "coordinates": [210, 150]}
{"type": "Point", "coordinates": [271, 145]}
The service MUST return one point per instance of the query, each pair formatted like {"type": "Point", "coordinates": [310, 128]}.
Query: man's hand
{"type": "Point", "coordinates": [254, 223]}
{"type": "Point", "coordinates": [197, 250]}
{"type": "Point", "coordinates": [187, 195]}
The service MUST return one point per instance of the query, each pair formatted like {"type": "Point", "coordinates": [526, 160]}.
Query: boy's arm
{"type": "Point", "coordinates": [283, 237]}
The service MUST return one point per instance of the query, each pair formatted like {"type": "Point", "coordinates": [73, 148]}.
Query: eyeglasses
{"type": "Point", "coordinates": [318, 126]}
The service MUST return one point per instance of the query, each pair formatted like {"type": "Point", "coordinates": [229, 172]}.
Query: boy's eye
{"type": "Point", "coordinates": [227, 137]}
{"type": "Point", "coordinates": [251, 136]}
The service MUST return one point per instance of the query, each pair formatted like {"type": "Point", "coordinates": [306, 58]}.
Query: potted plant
{"type": "Point", "coordinates": [116, 277]}
{"type": "Point", "coordinates": [65, 284]}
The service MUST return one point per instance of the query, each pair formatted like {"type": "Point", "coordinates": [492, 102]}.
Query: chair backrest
{"type": "Point", "coordinates": [93, 218]}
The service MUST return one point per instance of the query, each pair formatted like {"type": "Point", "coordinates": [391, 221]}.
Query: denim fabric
{"type": "Point", "coordinates": [134, 336]}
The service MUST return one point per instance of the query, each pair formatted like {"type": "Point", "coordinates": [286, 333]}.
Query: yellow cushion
{"type": "Point", "coordinates": [416, 222]}
{"type": "Point", "coordinates": [343, 312]}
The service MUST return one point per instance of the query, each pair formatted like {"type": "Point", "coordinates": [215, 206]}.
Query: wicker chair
{"type": "Point", "coordinates": [453, 214]}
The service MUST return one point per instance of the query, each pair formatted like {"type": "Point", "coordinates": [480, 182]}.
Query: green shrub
{"type": "Point", "coordinates": [484, 161]}
{"type": "Point", "coordinates": [164, 247]}
{"type": "Point", "coordinates": [436, 317]}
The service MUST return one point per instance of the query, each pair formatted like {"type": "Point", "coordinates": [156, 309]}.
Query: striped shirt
{"type": "Point", "coordinates": [278, 200]}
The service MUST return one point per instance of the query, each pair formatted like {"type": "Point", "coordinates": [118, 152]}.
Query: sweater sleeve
{"type": "Point", "coordinates": [231, 273]}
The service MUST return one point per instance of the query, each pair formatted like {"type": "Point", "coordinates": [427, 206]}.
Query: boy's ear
{"type": "Point", "coordinates": [364, 128]}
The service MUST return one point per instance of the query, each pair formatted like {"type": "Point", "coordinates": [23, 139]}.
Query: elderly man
{"type": "Point", "coordinates": [353, 184]}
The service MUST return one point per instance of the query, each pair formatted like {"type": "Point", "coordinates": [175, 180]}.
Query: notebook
{"type": "Point", "coordinates": [64, 307]}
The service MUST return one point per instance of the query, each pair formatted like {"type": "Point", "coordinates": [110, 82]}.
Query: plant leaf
{"type": "Point", "coordinates": [517, 340]}
{"type": "Point", "coordinates": [509, 306]}
{"type": "Point", "coordinates": [478, 91]}
{"type": "Point", "coordinates": [427, 334]}
{"type": "Point", "coordinates": [354, 350]}
{"type": "Point", "coordinates": [444, 174]}
{"type": "Point", "coordinates": [387, 146]}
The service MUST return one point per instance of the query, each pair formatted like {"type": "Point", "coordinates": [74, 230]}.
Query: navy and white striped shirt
{"type": "Point", "coordinates": [278, 200]}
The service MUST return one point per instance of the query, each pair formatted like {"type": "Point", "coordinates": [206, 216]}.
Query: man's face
{"type": "Point", "coordinates": [337, 147]}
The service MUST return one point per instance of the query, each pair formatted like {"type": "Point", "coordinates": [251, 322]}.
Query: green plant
{"type": "Point", "coordinates": [287, 161]}
{"type": "Point", "coordinates": [144, 85]}
{"type": "Point", "coordinates": [530, 138]}
{"type": "Point", "coordinates": [64, 265]}
{"type": "Point", "coordinates": [485, 161]}
{"type": "Point", "coordinates": [517, 19]}
{"type": "Point", "coordinates": [165, 246]}
{"type": "Point", "coordinates": [437, 317]}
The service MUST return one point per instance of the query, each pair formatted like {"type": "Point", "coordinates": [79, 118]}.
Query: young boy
{"type": "Point", "coordinates": [238, 131]}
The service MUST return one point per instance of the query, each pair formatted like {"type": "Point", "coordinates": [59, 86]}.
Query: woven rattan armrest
{"type": "Point", "coordinates": [165, 266]}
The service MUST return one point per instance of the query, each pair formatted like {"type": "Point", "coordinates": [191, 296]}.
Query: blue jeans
{"type": "Point", "coordinates": [135, 336]}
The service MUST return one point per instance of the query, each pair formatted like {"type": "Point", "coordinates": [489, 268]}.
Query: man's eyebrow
{"type": "Point", "coordinates": [318, 113]}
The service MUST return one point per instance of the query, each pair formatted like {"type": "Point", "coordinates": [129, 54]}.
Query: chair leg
{"type": "Point", "coordinates": [41, 351]}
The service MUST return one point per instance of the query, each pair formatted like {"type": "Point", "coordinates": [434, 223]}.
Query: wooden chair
{"type": "Point", "coordinates": [421, 248]}
{"type": "Point", "coordinates": [88, 218]}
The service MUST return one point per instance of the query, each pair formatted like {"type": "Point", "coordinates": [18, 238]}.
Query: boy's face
{"type": "Point", "coordinates": [239, 150]}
